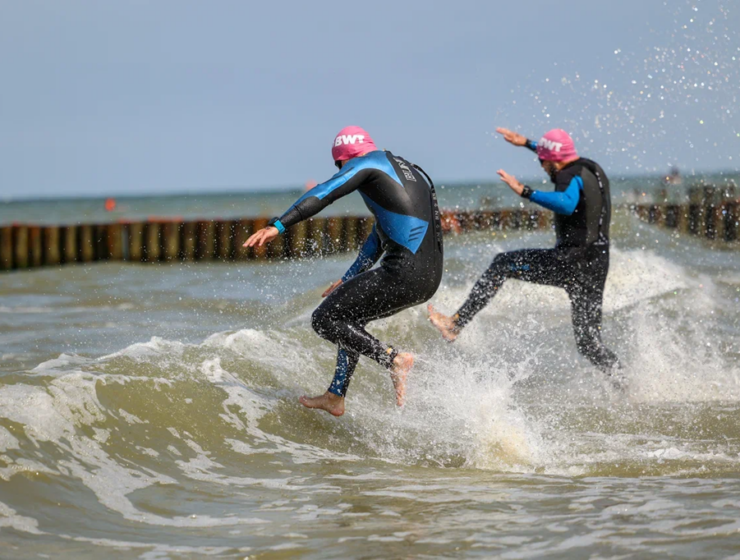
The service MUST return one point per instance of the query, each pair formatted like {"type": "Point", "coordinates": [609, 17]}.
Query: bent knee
{"type": "Point", "coordinates": [501, 258]}
{"type": "Point", "coordinates": [320, 321]}
{"type": "Point", "coordinates": [325, 323]}
{"type": "Point", "coordinates": [506, 264]}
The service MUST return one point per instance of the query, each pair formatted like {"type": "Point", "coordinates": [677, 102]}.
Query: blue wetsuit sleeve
{"type": "Point", "coordinates": [369, 255]}
{"type": "Point", "coordinates": [531, 144]}
{"type": "Point", "coordinates": [560, 202]}
{"type": "Point", "coordinates": [348, 179]}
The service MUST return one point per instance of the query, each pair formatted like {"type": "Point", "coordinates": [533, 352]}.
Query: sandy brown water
{"type": "Point", "coordinates": [151, 412]}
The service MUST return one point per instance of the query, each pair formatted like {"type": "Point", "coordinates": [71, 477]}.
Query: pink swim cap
{"type": "Point", "coordinates": [556, 145]}
{"type": "Point", "coordinates": [351, 141]}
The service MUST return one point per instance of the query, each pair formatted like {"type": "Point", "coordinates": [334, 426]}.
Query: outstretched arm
{"type": "Point", "coordinates": [348, 179]}
{"type": "Point", "coordinates": [517, 139]}
{"type": "Point", "coordinates": [564, 202]}
{"type": "Point", "coordinates": [560, 202]}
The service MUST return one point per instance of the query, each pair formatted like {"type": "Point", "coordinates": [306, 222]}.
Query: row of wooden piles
{"type": "Point", "coordinates": [715, 220]}
{"type": "Point", "coordinates": [25, 246]}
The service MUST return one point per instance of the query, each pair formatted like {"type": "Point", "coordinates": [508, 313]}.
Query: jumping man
{"type": "Point", "coordinates": [579, 263]}
{"type": "Point", "coordinates": [407, 234]}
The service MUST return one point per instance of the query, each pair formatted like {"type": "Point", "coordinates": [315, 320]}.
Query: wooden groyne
{"type": "Point", "coordinates": [713, 220]}
{"type": "Point", "coordinates": [24, 246]}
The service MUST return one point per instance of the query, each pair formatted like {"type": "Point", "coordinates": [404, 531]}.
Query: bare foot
{"type": "Point", "coordinates": [330, 402]}
{"type": "Point", "coordinates": [402, 365]}
{"type": "Point", "coordinates": [445, 325]}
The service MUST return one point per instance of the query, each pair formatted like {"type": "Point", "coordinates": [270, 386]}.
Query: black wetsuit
{"type": "Point", "coordinates": [579, 263]}
{"type": "Point", "coordinates": [407, 233]}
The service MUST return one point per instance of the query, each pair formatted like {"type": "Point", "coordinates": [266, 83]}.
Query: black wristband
{"type": "Point", "coordinates": [526, 192]}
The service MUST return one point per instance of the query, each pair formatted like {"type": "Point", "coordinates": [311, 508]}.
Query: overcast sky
{"type": "Point", "coordinates": [113, 97]}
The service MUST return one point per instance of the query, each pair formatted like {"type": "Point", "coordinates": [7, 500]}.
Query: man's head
{"type": "Point", "coordinates": [351, 142]}
{"type": "Point", "coordinates": [555, 150]}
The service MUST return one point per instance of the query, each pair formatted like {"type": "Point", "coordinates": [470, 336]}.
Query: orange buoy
{"type": "Point", "coordinates": [110, 204]}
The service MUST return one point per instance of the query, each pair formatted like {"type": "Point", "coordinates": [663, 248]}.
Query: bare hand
{"type": "Point", "coordinates": [512, 137]}
{"type": "Point", "coordinates": [259, 238]}
{"type": "Point", "coordinates": [331, 288]}
{"type": "Point", "coordinates": [512, 181]}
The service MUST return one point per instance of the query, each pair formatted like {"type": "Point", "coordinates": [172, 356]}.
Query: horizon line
{"type": "Point", "coordinates": [216, 191]}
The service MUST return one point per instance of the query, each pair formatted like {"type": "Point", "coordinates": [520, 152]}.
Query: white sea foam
{"type": "Point", "coordinates": [466, 406]}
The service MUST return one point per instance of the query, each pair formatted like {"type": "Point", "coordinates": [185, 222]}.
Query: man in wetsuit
{"type": "Point", "coordinates": [407, 233]}
{"type": "Point", "coordinates": [580, 260]}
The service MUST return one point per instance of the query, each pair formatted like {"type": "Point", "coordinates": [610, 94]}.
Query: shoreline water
{"type": "Point", "coordinates": [160, 405]}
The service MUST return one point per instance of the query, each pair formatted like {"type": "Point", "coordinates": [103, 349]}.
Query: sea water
{"type": "Point", "coordinates": [151, 411]}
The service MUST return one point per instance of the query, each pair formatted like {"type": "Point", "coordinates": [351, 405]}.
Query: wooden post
{"type": "Point", "coordinates": [136, 242]}
{"type": "Point", "coordinates": [35, 258]}
{"type": "Point", "coordinates": [642, 212]}
{"type": "Point", "coordinates": [114, 242]}
{"type": "Point", "coordinates": [297, 240]}
{"type": "Point", "coordinates": [85, 243]}
{"type": "Point", "coordinates": [205, 247]}
{"type": "Point", "coordinates": [351, 228]}
{"type": "Point", "coordinates": [483, 220]}
{"type": "Point", "coordinates": [277, 249]}
{"type": "Point", "coordinates": [506, 219]}
{"type": "Point", "coordinates": [653, 214]}
{"type": "Point", "coordinates": [710, 220]}
{"type": "Point", "coordinates": [544, 221]}
{"type": "Point", "coordinates": [495, 219]}
{"type": "Point", "coordinates": [696, 201]}
{"type": "Point", "coordinates": [694, 219]}
{"type": "Point", "coordinates": [170, 232]}
{"type": "Point", "coordinates": [316, 228]}
{"type": "Point", "coordinates": [242, 230]}
{"type": "Point", "coordinates": [69, 244]}
{"type": "Point", "coordinates": [682, 223]}
{"type": "Point", "coordinates": [188, 241]}
{"type": "Point", "coordinates": [152, 240]}
{"type": "Point", "coordinates": [334, 231]}
{"type": "Point", "coordinates": [6, 247]}
{"type": "Point", "coordinates": [20, 246]}
{"type": "Point", "coordinates": [224, 246]}
{"type": "Point", "coordinates": [366, 227]}
{"type": "Point", "coordinates": [530, 219]}
{"type": "Point", "coordinates": [731, 221]}
{"type": "Point", "coordinates": [100, 242]}
{"type": "Point", "coordinates": [50, 254]}
{"type": "Point", "coordinates": [467, 220]}
{"type": "Point", "coordinates": [260, 252]}
{"type": "Point", "coordinates": [720, 221]}
{"type": "Point", "coordinates": [671, 216]}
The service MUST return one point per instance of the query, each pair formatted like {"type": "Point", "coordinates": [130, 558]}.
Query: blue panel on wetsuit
{"type": "Point", "coordinates": [374, 160]}
{"type": "Point", "coordinates": [407, 231]}
{"type": "Point", "coordinates": [340, 374]}
{"type": "Point", "coordinates": [369, 255]}
{"type": "Point", "coordinates": [377, 160]}
{"type": "Point", "coordinates": [560, 202]}
{"type": "Point", "coordinates": [518, 267]}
